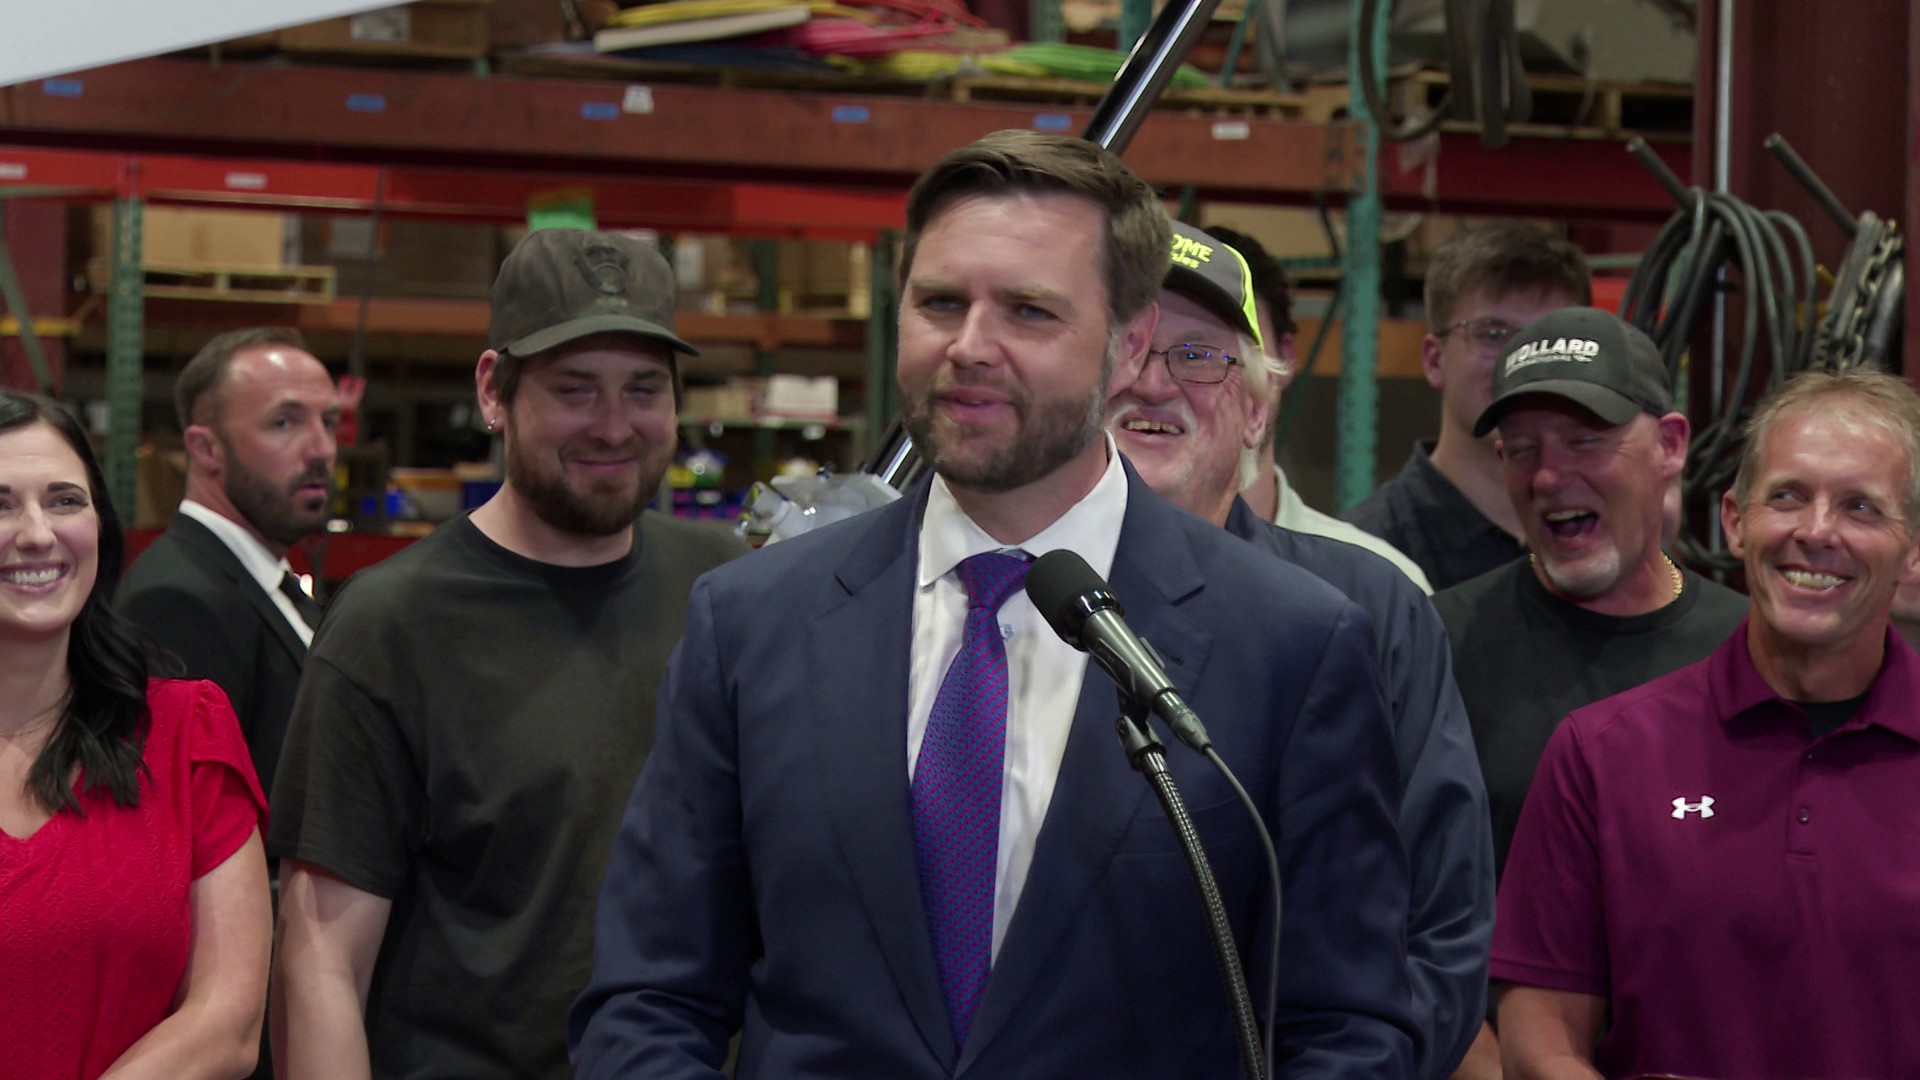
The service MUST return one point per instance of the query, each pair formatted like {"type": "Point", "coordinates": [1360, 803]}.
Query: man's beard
{"type": "Point", "coordinates": [596, 512]}
{"type": "Point", "coordinates": [272, 510]}
{"type": "Point", "coordinates": [1594, 576]}
{"type": "Point", "coordinates": [1046, 437]}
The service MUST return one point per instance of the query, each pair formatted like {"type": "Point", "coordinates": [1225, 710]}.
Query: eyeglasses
{"type": "Point", "coordinates": [1484, 336]}
{"type": "Point", "coordinates": [1195, 363]}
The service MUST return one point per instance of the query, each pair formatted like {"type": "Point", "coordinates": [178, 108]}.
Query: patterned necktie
{"type": "Point", "coordinates": [307, 606]}
{"type": "Point", "coordinates": [956, 791]}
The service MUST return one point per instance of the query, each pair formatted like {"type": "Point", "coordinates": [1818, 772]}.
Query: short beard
{"type": "Point", "coordinates": [1047, 437]}
{"type": "Point", "coordinates": [270, 509]}
{"type": "Point", "coordinates": [1595, 577]}
{"type": "Point", "coordinates": [592, 514]}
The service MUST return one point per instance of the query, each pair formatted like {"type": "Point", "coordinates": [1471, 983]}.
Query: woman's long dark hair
{"type": "Point", "coordinates": [104, 720]}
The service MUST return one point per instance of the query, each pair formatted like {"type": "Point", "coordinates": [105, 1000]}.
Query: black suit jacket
{"type": "Point", "coordinates": [764, 874]}
{"type": "Point", "coordinates": [212, 620]}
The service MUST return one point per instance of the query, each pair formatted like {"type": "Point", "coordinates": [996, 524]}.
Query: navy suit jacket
{"type": "Point", "coordinates": [764, 876]}
{"type": "Point", "coordinates": [1444, 820]}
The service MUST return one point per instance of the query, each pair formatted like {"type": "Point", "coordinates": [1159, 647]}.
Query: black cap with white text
{"type": "Point", "coordinates": [1585, 355]}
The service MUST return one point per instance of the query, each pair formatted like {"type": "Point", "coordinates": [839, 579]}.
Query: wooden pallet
{"type": "Point", "coordinates": [1563, 105]}
{"type": "Point", "coordinates": [263, 285]}
{"type": "Point", "coordinates": [1259, 104]}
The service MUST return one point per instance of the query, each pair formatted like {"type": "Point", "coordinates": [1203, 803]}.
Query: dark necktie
{"type": "Point", "coordinates": [307, 606]}
{"type": "Point", "coordinates": [956, 791]}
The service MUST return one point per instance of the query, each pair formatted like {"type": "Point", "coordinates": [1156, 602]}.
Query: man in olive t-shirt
{"type": "Point", "coordinates": [475, 709]}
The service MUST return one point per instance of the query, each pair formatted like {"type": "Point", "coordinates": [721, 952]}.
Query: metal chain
{"type": "Point", "coordinates": [1842, 343]}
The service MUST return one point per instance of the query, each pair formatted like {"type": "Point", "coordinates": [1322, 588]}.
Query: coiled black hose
{"type": "Point", "coordinates": [1766, 254]}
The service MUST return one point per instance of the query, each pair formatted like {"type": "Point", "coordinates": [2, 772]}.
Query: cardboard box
{"type": "Point", "coordinates": [223, 239]}
{"type": "Point", "coordinates": [812, 397]}
{"type": "Point", "coordinates": [514, 24]}
{"type": "Point", "coordinates": [730, 401]}
{"type": "Point", "coordinates": [425, 259]}
{"type": "Point", "coordinates": [159, 483]}
{"type": "Point", "coordinates": [428, 28]}
{"type": "Point", "coordinates": [820, 275]}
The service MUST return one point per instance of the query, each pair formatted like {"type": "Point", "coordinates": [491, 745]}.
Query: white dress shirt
{"type": "Point", "coordinates": [1292, 512]}
{"type": "Point", "coordinates": [1044, 673]}
{"type": "Point", "coordinates": [260, 563]}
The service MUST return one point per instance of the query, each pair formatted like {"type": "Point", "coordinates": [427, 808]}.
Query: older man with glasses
{"type": "Point", "coordinates": [1448, 508]}
{"type": "Point", "coordinates": [1192, 418]}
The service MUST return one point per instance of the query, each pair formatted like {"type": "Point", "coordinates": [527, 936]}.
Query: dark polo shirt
{"type": "Point", "coordinates": [1744, 894]}
{"type": "Point", "coordinates": [1434, 524]}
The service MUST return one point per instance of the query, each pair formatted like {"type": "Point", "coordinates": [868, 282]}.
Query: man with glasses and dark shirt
{"type": "Point", "coordinates": [1448, 509]}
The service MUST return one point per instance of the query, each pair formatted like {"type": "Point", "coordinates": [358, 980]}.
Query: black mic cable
{"type": "Point", "coordinates": [1088, 616]}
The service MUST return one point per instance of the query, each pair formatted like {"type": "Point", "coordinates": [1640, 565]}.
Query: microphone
{"type": "Point", "coordinates": [1086, 615]}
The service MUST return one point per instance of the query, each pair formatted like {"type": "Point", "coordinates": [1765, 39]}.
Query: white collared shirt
{"type": "Point", "coordinates": [1044, 673]}
{"type": "Point", "coordinates": [254, 556]}
{"type": "Point", "coordinates": [1292, 512]}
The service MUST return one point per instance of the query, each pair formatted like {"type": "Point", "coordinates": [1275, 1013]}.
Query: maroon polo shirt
{"type": "Point", "coordinates": [1744, 895]}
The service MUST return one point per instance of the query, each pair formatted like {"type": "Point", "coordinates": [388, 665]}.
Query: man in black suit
{"type": "Point", "coordinates": [215, 591]}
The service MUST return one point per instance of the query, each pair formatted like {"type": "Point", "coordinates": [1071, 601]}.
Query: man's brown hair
{"type": "Point", "coordinates": [1501, 258]}
{"type": "Point", "coordinates": [1136, 248]}
{"type": "Point", "coordinates": [196, 392]}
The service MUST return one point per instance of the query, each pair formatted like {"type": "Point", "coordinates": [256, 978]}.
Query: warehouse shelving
{"type": "Point", "coordinates": [744, 161]}
{"type": "Point", "coordinates": [483, 144]}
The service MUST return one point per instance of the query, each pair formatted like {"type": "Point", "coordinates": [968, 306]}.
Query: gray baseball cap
{"type": "Point", "coordinates": [1587, 356]}
{"type": "Point", "coordinates": [560, 285]}
{"type": "Point", "coordinates": [1214, 274]}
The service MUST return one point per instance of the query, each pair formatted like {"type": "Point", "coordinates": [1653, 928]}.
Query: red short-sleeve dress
{"type": "Point", "coordinates": [94, 924]}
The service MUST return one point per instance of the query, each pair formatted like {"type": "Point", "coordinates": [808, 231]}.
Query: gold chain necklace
{"type": "Point", "coordinates": [1673, 570]}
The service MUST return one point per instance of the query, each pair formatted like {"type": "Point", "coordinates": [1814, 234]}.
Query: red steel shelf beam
{"type": "Point", "coordinates": [710, 159]}
{"type": "Point", "coordinates": [658, 131]}
{"type": "Point", "coordinates": [752, 209]}
{"type": "Point", "coordinates": [1593, 179]}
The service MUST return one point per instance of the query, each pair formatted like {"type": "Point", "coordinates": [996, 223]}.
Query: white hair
{"type": "Point", "coordinates": [1262, 369]}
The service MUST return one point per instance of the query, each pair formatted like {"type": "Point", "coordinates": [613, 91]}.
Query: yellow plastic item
{"type": "Point", "coordinates": [682, 10]}
{"type": "Point", "coordinates": [1001, 64]}
{"type": "Point", "coordinates": [930, 64]}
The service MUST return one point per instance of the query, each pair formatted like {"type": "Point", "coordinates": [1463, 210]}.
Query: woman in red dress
{"type": "Point", "coordinates": [135, 920]}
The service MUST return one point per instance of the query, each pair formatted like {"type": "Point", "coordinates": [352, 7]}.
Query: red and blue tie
{"type": "Point", "coordinates": [956, 790]}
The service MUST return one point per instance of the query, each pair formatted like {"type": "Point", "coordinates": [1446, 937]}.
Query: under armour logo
{"type": "Point", "coordinates": [605, 268]}
{"type": "Point", "coordinates": [1681, 807]}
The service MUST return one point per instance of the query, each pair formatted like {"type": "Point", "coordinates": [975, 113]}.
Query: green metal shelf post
{"type": "Point", "coordinates": [1359, 405]}
{"type": "Point", "coordinates": [1044, 22]}
{"type": "Point", "coordinates": [766, 268]}
{"type": "Point", "coordinates": [126, 354]}
{"type": "Point", "coordinates": [16, 305]}
{"type": "Point", "coordinates": [882, 326]}
{"type": "Point", "coordinates": [1135, 17]}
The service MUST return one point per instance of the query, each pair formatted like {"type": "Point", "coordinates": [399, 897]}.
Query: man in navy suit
{"type": "Point", "coordinates": [887, 831]}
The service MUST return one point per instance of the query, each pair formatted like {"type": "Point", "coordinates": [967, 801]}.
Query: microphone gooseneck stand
{"type": "Point", "coordinates": [1147, 754]}
{"type": "Point", "coordinates": [1086, 614]}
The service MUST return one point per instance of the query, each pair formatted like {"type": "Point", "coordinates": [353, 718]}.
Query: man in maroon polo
{"type": "Point", "coordinates": [1721, 868]}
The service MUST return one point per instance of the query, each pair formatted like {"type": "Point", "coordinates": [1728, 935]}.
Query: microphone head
{"type": "Point", "coordinates": [1065, 590]}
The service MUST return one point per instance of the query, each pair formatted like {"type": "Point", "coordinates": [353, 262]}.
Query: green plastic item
{"type": "Point", "coordinates": [566, 208]}
{"type": "Point", "coordinates": [1089, 64]}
